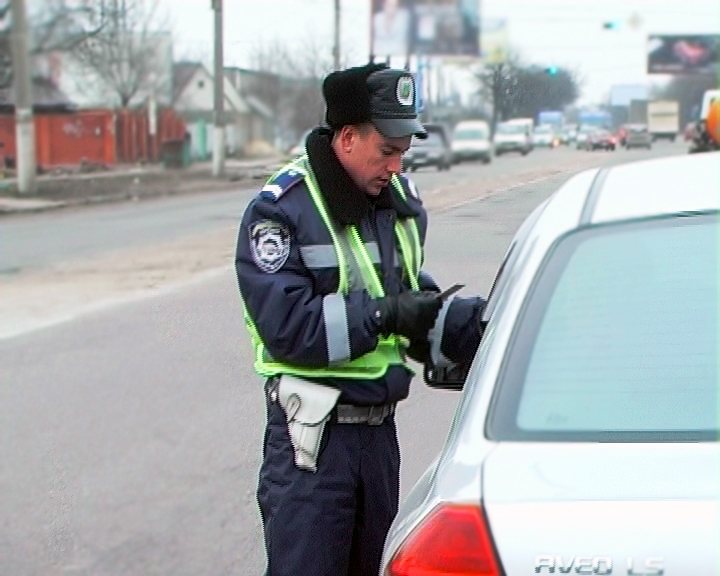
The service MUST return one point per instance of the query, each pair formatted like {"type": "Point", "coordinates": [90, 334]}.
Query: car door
{"type": "Point", "coordinates": [510, 259]}
{"type": "Point", "coordinates": [453, 377]}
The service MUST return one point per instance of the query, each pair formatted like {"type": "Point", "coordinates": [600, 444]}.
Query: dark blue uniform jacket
{"type": "Point", "coordinates": [287, 272]}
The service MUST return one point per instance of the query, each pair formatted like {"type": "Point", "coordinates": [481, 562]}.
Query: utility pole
{"type": "Point", "coordinates": [336, 47]}
{"type": "Point", "coordinates": [218, 167]}
{"type": "Point", "coordinates": [24, 126]}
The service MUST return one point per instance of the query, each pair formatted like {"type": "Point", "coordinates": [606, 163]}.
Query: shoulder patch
{"type": "Point", "coordinates": [269, 244]}
{"type": "Point", "coordinates": [281, 183]}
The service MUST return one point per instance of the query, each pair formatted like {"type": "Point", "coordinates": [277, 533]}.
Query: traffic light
{"type": "Point", "coordinates": [611, 25]}
{"type": "Point", "coordinates": [551, 70]}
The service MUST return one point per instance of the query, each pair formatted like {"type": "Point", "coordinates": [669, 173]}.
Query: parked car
{"type": "Point", "coordinates": [512, 137]}
{"type": "Point", "coordinates": [587, 431]}
{"type": "Point", "coordinates": [600, 140]}
{"type": "Point", "coordinates": [471, 141]}
{"type": "Point", "coordinates": [638, 136]}
{"type": "Point", "coordinates": [432, 151]}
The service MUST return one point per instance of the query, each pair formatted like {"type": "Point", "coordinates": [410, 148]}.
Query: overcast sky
{"type": "Point", "coordinates": [560, 32]}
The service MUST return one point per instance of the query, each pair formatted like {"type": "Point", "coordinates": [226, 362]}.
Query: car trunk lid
{"type": "Point", "coordinates": [605, 508]}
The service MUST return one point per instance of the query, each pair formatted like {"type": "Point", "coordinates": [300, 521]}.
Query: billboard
{"type": "Point", "coordinates": [425, 27]}
{"type": "Point", "coordinates": [494, 40]}
{"type": "Point", "coordinates": [683, 53]}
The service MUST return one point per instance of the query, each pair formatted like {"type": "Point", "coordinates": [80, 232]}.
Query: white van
{"type": "Point", "coordinates": [471, 141]}
{"type": "Point", "coordinates": [514, 136]}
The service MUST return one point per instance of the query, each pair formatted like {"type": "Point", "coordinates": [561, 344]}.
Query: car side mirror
{"type": "Point", "coordinates": [445, 377]}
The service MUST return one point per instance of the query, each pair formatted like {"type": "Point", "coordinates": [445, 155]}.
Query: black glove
{"type": "Point", "coordinates": [419, 351]}
{"type": "Point", "coordinates": [410, 314]}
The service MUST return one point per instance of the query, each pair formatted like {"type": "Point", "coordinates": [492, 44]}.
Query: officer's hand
{"type": "Point", "coordinates": [410, 314]}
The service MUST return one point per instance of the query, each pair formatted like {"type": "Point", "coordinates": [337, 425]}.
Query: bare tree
{"type": "Point", "coordinates": [61, 25]}
{"type": "Point", "coordinates": [301, 70]}
{"type": "Point", "coordinates": [517, 90]}
{"type": "Point", "coordinates": [496, 85]}
{"type": "Point", "coordinates": [125, 55]}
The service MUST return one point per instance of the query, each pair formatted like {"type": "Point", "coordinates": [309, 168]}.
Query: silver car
{"type": "Point", "coordinates": [638, 136]}
{"type": "Point", "coordinates": [586, 437]}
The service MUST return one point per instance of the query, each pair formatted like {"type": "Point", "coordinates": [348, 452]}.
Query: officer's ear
{"type": "Point", "coordinates": [347, 137]}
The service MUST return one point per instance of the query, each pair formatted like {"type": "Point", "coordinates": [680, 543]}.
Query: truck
{"type": "Point", "coordinates": [703, 139]}
{"type": "Point", "coordinates": [554, 118]}
{"type": "Point", "coordinates": [663, 119]}
{"type": "Point", "coordinates": [596, 118]}
{"type": "Point", "coordinates": [637, 112]}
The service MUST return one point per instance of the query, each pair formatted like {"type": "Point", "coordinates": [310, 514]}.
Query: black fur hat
{"type": "Point", "coordinates": [373, 93]}
{"type": "Point", "coordinates": [347, 95]}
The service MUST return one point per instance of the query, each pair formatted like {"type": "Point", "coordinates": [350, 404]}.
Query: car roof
{"type": "Point", "coordinates": [471, 124]}
{"type": "Point", "coordinates": [675, 185]}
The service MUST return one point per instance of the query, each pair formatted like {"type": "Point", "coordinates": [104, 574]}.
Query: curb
{"type": "Point", "coordinates": [36, 205]}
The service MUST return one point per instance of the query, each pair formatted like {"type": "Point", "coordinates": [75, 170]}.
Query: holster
{"type": "Point", "coordinates": [307, 408]}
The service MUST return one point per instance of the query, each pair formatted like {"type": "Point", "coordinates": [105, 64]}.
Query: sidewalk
{"type": "Point", "coordinates": [122, 183]}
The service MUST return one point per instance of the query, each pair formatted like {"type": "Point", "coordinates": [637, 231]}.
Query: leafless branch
{"type": "Point", "coordinates": [125, 53]}
{"type": "Point", "coordinates": [63, 24]}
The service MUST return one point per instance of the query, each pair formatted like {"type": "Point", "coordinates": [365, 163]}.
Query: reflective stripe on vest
{"type": "Point", "coordinates": [356, 265]}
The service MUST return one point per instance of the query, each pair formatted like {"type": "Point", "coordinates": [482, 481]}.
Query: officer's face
{"type": "Point", "coordinates": [369, 157]}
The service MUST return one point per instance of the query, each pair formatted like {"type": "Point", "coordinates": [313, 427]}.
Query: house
{"type": "Point", "coordinates": [94, 78]}
{"type": "Point", "coordinates": [261, 90]}
{"type": "Point", "coordinates": [193, 99]}
{"type": "Point", "coordinates": [46, 98]}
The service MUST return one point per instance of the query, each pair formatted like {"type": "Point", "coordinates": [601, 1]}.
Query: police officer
{"type": "Point", "coordinates": [329, 261]}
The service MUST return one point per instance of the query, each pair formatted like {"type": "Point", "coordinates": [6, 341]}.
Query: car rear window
{"type": "Point", "coordinates": [511, 129]}
{"type": "Point", "coordinates": [434, 139]}
{"type": "Point", "coordinates": [619, 338]}
{"type": "Point", "coordinates": [470, 134]}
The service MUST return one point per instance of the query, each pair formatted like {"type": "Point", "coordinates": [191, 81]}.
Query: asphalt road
{"type": "Point", "coordinates": [35, 241]}
{"type": "Point", "coordinates": [130, 437]}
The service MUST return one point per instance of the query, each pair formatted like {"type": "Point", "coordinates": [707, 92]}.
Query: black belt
{"type": "Point", "coordinates": [346, 413]}
{"type": "Point", "coordinates": [372, 415]}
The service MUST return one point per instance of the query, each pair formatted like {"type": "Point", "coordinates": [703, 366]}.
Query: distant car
{"type": "Point", "coordinates": [600, 140]}
{"type": "Point", "coordinates": [512, 137]}
{"type": "Point", "coordinates": [622, 134]}
{"type": "Point", "coordinates": [586, 437]}
{"type": "Point", "coordinates": [638, 136]}
{"type": "Point", "coordinates": [690, 131]}
{"type": "Point", "coordinates": [471, 141]}
{"type": "Point", "coordinates": [432, 151]}
{"type": "Point", "coordinates": [569, 134]}
{"type": "Point", "coordinates": [543, 136]}
{"type": "Point", "coordinates": [582, 135]}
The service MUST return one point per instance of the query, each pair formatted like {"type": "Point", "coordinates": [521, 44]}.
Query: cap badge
{"type": "Point", "coordinates": [405, 91]}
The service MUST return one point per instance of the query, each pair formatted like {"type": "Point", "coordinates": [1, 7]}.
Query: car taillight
{"type": "Point", "coordinates": [452, 541]}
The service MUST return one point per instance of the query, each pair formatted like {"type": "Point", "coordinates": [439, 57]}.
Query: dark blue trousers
{"type": "Point", "coordinates": [332, 522]}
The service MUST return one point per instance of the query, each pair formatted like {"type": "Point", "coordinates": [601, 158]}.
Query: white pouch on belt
{"type": "Point", "coordinates": [307, 408]}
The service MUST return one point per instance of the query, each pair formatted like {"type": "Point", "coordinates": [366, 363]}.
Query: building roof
{"type": "Point", "coordinates": [46, 97]}
{"type": "Point", "coordinates": [182, 74]}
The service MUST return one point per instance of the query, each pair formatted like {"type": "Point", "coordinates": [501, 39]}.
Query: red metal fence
{"type": "Point", "coordinates": [134, 141]}
{"type": "Point", "coordinates": [95, 136]}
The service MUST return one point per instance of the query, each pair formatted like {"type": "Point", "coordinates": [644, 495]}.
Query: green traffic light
{"type": "Point", "coordinates": [552, 70]}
